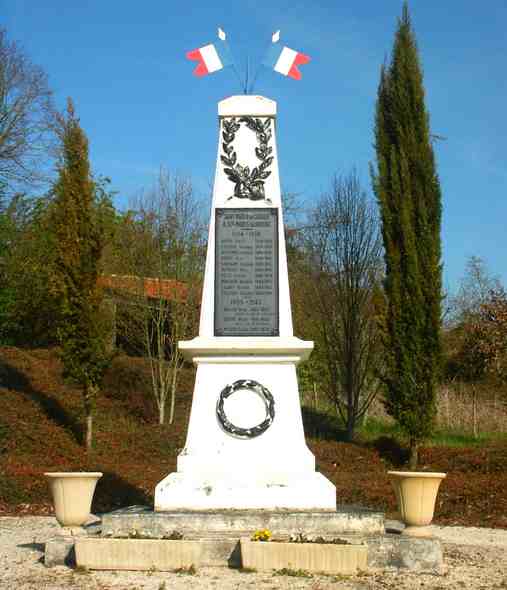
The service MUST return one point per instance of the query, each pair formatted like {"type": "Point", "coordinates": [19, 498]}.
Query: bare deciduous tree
{"type": "Point", "coordinates": [26, 118]}
{"type": "Point", "coordinates": [474, 290]}
{"type": "Point", "coordinates": [344, 243]}
{"type": "Point", "coordinates": [160, 255]}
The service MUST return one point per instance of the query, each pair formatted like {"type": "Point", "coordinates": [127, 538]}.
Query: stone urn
{"type": "Point", "coordinates": [72, 495]}
{"type": "Point", "coordinates": [416, 492]}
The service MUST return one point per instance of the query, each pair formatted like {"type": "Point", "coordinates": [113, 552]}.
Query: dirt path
{"type": "Point", "coordinates": [475, 558]}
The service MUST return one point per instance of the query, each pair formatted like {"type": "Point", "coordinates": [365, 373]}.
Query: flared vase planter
{"type": "Point", "coordinates": [72, 495]}
{"type": "Point", "coordinates": [416, 493]}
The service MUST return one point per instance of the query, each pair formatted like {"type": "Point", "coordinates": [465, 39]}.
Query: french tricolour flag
{"type": "Point", "coordinates": [285, 60]}
{"type": "Point", "coordinates": [212, 57]}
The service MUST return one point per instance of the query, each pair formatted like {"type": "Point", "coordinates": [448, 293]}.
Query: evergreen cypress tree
{"type": "Point", "coordinates": [79, 244]}
{"type": "Point", "coordinates": [408, 191]}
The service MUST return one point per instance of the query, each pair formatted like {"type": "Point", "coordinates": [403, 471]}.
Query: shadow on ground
{"type": "Point", "coordinates": [12, 378]}
{"type": "Point", "coordinates": [113, 492]}
{"type": "Point", "coordinates": [391, 451]}
{"type": "Point", "coordinates": [34, 546]}
{"type": "Point", "coordinates": [322, 426]}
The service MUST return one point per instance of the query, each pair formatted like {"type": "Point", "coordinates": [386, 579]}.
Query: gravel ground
{"type": "Point", "coordinates": [475, 558]}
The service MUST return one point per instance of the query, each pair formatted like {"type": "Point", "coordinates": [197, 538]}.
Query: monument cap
{"type": "Point", "coordinates": [244, 105]}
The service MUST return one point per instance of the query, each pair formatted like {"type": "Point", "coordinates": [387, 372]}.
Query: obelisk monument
{"type": "Point", "coordinates": [245, 446]}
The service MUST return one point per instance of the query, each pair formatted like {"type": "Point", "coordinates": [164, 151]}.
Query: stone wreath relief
{"type": "Point", "coordinates": [249, 184]}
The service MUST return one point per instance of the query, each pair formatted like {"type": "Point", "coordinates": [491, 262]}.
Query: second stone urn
{"type": "Point", "coordinates": [416, 493]}
{"type": "Point", "coordinates": [72, 495]}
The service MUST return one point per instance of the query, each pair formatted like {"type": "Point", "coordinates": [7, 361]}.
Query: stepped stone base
{"type": "Point", "coordinates": [218, 534]}
{"type": "Point", "coordinates": [146, 523]}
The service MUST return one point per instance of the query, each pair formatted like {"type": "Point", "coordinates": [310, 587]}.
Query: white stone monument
{"type": "Point", "coordinates": [245, 445]}
{"type": "Point", "coordinates": [245, 465]}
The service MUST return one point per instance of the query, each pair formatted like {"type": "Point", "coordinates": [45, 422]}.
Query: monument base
{"type": "Point", "coordinates": [220, 468]}
{"type": "Point", "coordinates": [182, 491]}
{"type": "Point", "coordinates": [143, 522]}
{"type": "Point", "coordinates": [218, 532]}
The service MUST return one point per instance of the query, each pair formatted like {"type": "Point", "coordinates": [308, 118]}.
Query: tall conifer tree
{"type": "Point", "coordinates": [408, 191]}
{"type": "Point", "coordinates": [79, 244]}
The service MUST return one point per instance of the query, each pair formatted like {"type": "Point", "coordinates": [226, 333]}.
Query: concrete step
{"type": "Point", "coordinates": [138, 538]}
{"type": "Point", "coordinates": [143, 522]}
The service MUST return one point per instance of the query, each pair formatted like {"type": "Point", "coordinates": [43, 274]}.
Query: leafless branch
{"type": "Point", "coordinates": [160, 253]}
{"type": "Point", "coordinates": [26, 119]}
{"type": "Point", "coordinates": [344, 247]}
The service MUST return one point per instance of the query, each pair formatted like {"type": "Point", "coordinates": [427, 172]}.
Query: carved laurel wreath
{"type": "Point", "coordinates": [248, 184]}
{"type": "Point", "coordinates": [266, 397]}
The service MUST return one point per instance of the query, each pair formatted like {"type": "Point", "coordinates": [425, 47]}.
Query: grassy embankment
{"type": "Point", "coordinates": [40, 430]}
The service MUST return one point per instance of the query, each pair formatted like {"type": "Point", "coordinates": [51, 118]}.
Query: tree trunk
{"type": "Point", "coordinates": [161, 413]}
{"type": "Point", "coordinates": [474, 412]}
{"type": "Point", "coordinates": [414, 455]}
{"type": "Point", "coordinates": [89, 398]}
{"type": "Point", "coordinates": [363, 418]}
{"type": "Point", "coordinates": [349, 434]}
{"type": "Point", "coordinates": [351, 424]}
{"type": "Point", "coordinates": [108, 311]}
{"type": "Point", "coordinates": [174, 378]}
{"type": "Point", "coordinates": [89, 431]}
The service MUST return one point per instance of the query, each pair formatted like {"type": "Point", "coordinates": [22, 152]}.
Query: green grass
{"type": "Point", "coordinates": [191, 570]}
{"type": "Point", "coordinates": [450, 438]}
{"type": "Point", "coordinates": [374, 428]}
{"type": "Point", "coordinates": [286, 571]}
{"type": "Point", "coordinates": [322, 425]}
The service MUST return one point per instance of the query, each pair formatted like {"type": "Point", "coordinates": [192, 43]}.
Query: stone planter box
{"type": "Point", "coordinates": [137, 554]}
{"type": "Point", "coordinates": [311, 557]}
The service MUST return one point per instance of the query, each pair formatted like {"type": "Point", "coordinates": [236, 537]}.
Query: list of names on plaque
{"type": "Point", "coordinates": [246, 272]}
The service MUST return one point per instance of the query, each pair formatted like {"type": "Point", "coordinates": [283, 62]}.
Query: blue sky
{"type": "Point", "coordinates": [123, 63]}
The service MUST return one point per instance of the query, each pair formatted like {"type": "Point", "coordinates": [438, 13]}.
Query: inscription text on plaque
{"type": "Point", "coordinates": [246, 272]}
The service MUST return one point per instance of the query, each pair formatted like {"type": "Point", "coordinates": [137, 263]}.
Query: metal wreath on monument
{"type": "Point", "coordinates": [262, 392]}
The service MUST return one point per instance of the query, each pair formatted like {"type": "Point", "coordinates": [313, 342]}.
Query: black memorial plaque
{"type": "Point", "coordinates": [246, 272]}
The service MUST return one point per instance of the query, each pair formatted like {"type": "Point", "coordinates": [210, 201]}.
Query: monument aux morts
{"type": "Point", "coordinates": [245, 465]}
{"type": "Point", "coordinates": [245, 446]}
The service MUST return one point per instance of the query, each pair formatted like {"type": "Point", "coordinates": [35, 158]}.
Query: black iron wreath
{"type": "Point", "coordinates": [266, 397]}
{"type": "Point", "coordinates": [248, 184]}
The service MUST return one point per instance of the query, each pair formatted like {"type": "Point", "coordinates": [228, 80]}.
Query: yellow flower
{"type": "Point", "coordinates": [262, 535]}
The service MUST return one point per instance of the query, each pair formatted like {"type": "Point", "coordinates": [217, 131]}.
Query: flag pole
{"type": "Point", "coordinates": [212, 58]}
{"type": "Point", "coordinates": [237, 73]}
{"type": "Point", "coordinates": [223, 37]}
{"type": "Point", "coordinates": [257, 72]}
{"type": "Point", "coordinates": [275, 37]}
{"type": "Point", "coordinates": [245, 89]}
